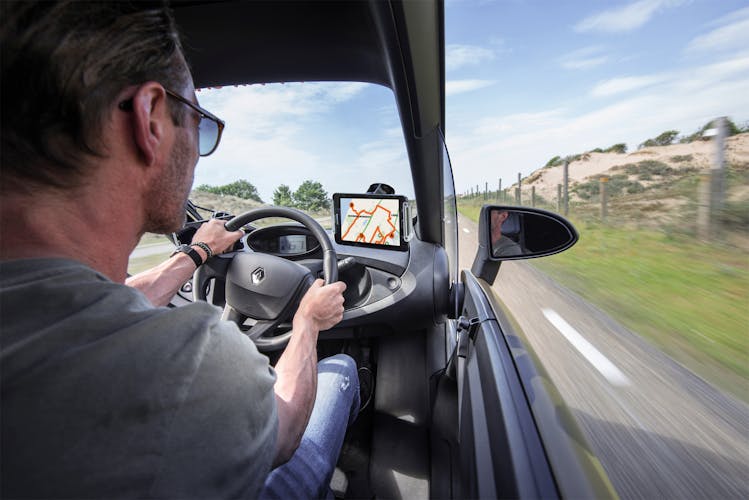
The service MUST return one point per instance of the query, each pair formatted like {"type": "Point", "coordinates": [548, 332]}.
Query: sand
{"type": "Point", "coordinates": [591, 164]}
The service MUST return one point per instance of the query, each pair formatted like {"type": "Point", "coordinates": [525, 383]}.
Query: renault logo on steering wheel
{"type": "Point", "coordinates": [258, 275]}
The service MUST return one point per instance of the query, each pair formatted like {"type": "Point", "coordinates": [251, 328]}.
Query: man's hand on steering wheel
{"type": "Point", "coordinates": [321, 307]}
{"type": "Point", "coordinates": [214, 234]}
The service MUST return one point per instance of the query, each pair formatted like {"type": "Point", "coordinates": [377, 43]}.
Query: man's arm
{"type": "Point", "coordinates": [159, 284]}
{"type": "Point", "coordinates": [296, 370]}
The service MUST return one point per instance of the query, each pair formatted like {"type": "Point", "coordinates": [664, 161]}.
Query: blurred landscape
{"type": "Point", "coordinates": [645, 264]}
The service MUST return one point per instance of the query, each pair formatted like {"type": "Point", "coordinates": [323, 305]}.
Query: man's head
{"type": "Point", "coordinates": [498, 217]}
{"type": "Point", "coordinates": [63, 66]}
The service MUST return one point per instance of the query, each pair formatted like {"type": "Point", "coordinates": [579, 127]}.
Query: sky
{"type": "Point", "coordinates": [526, 80]}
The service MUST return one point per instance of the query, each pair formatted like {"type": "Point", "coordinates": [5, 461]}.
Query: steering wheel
{"type": "Point", "coordinates": [263, 287]}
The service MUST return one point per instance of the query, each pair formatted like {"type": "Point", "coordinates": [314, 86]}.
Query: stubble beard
{"type": "Point", "coordinates": [166, 198]}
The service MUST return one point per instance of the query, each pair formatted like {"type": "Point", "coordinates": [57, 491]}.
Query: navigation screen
{"type": "Point", "coordinates": [369, 220]}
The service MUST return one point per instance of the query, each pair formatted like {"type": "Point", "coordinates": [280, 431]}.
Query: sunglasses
{"type": "Point", "coordinates": [210, 127]}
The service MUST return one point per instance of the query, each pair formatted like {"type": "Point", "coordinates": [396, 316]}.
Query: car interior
{"type": "Point", "coordinates": [445, 410]}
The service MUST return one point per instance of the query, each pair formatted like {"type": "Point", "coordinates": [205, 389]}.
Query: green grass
{"type": "Point", "coordinates": [689, 298]}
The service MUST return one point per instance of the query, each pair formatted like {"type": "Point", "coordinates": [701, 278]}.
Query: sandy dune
{"type": "Point", "coordinates": [702, 156]}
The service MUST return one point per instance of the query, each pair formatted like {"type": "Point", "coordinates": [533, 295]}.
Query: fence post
{"type": "Point", "coordinates": [486, 190]}
{"type": "Point", "coordinates": [703, 208]}
{"type": "Point", "coordinates": [520, 189]}
{"type": "Point", "coordinates": [499, 189]}
{"type": "Point", "coordinates": [604, 198]}
{"type": "Point", "coordinates": [533, 196]}
{"type": "Point", "coordinates": [565, 183]}
{"type": "Point", "coordinates": [717, 194]}
{"type": "Point", "coordinates": [559, 198]}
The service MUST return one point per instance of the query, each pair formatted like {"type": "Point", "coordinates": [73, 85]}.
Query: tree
{"type": "Point", "coordinates": [311, 196]}
{"type": "Point", "coordinates": [240, 189]}
{"type": "Point", "coordinates": [283, 196]}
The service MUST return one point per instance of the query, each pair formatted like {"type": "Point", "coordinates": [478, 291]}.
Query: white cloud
{"type": "Point", "coordinates": [587, 57]}
{"type": "Point", "coordinates": [454, 87]}
{"type": "Point", "coordinates": [625, 84]}
{"type": "Point", "coordinates": [458, 56]}
{"type": "Point", "coordinates": [344, 135]}
{"type": "Point", "coordinates": [625, 18]}
{"type": "Point", "coordinates": [733, 34]}
{"type": "Point", "coordinates": [486, 149]}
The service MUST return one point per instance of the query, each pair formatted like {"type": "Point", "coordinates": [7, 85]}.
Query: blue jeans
{"type": "Point", "coordinates": [308, 473]}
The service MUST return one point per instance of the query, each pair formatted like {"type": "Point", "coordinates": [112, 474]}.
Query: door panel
{"type": "Point", "coordinates": [500, 450]}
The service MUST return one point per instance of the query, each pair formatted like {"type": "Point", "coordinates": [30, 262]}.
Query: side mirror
{"type": "Point", "coordinates": [515, 233]}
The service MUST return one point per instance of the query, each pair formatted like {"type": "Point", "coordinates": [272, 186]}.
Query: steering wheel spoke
{"type": "Point", "coordinates": [266, 289]}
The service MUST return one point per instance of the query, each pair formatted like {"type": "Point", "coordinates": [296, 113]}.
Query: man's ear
{"type": "Point", "coordinates": [151, 119]}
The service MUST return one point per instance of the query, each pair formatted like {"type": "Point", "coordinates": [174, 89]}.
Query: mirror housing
{"type": "Point", "coordinates": [517, 233]}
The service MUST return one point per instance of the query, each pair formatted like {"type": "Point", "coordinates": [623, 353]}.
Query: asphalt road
{"type": "Point", "coordinates": [659, 430]}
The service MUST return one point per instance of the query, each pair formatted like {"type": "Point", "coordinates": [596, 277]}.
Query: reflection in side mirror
{"type": "Point", "coordinates": [520, 233]}
{"type": "Point", "coordinates": [514, 233]}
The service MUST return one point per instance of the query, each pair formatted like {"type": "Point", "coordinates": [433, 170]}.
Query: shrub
{"type": "Point", "coordinates": [735, 215]}
{"type": "Point", "coordinates": [557, 160]}
{"type": "Point", "coordinates": [241, 189]}
{"type": "Point", "coordinates": [731, 128]}
{"type": "Point", "coordinates": [664, 139]}
{"type": "Point", "coordinates": [681, 158]}
{"type": "Point", "coordinates": [616, 185]}
{"type": "Point", "coordinates": [619, 148]}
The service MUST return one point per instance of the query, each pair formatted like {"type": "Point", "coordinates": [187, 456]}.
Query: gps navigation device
{"type": "Point", "coordinates": [370, 220]}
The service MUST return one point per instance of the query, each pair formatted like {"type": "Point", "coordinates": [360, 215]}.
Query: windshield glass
{"type": "Point", "coordinates": [294, 144]}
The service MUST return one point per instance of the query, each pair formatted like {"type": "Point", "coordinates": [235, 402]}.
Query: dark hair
{"type": "Point", "coordinates": [62, 65]}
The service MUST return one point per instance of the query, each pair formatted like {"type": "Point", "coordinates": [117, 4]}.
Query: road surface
{"type": "Point", "coordinates": [659, 430]}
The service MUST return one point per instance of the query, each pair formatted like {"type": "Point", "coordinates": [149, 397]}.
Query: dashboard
{"type": "Point", "coordinates": [385, 286]}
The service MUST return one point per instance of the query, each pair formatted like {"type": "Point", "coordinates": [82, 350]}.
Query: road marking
{"type": "Point", "coordinates": [593, 355]}
{"type": "Point", "coordinates": [465, 230]}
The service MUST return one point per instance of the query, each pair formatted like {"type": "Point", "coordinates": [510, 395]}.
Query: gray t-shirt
{"type": "Point", "coordinates": [104, 395]}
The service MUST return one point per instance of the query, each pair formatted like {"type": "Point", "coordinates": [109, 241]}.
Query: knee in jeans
{"type": "Point", "coordinates": [341, 364]}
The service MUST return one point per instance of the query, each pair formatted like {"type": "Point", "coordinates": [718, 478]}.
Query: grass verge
{"type": "Point", "coordinates": [689, 298]}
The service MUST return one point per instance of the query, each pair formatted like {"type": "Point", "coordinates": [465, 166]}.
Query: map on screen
{"type": "Point", "coordinates": [373, 221]}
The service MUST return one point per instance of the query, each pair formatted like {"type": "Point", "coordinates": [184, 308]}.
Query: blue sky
{"type": "Point", "coordinates": [526, 80]}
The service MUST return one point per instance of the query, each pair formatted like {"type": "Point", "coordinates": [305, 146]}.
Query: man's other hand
{"type": "Point", "coordinates": [214, 234]}
{"type": "Point", "coordinates": [321, 306]}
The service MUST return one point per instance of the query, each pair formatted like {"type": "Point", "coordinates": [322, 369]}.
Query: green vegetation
{"type": "Point", "coordinates": [732, 129]}
{"type": "Point", "coordinates": [619, 148]}
{"type": "Point", "coordinates": [690, 298]}
{"type": "Point", "coordinates": [617, 184]}
{"type": "Point", "coordinates": [664, 139]}
{"type": "Point", "coordinates": [310, 197]}
{"type": "Point", "coordinates": [241, 189]}
{"type": "Point", "coordinates": [557, 160]}
{"type": "Point", "coordinates": [681, 158]}
{"type": "Point", "coordinates": [283, 197]}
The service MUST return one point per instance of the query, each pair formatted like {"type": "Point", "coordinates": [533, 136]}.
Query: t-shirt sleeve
{"type": "Point", "coordinates": [222, 439]}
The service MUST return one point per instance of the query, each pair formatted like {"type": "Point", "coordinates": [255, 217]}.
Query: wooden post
{"type": "Point", "coordinates": [533, 196]}
{"type": "Point", "coordinates": [704, 231]}
{"type": "Point", "coordinates": [717, 192]}
{"type": "Point", "coordinates": [565, 183]}
{"type": "Point", "coordinates": [486, 190]}
{"type": "Point", "coordinates": [559, 198]}
{"type": "Point", "coordinates": [604, 199]}
{"type": "Point", "coordinates": [520, 187]}
{"type": "Point", "coordinates": [499, 189]}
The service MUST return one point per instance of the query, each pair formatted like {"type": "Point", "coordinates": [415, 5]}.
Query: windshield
{"type": "Point", "coordinates": [294, 144]}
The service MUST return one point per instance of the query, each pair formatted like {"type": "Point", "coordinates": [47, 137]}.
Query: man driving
{"type": "Point", "coordinates": [104, 393]}
{"type": "Point", "coordinates": [502, 245]}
